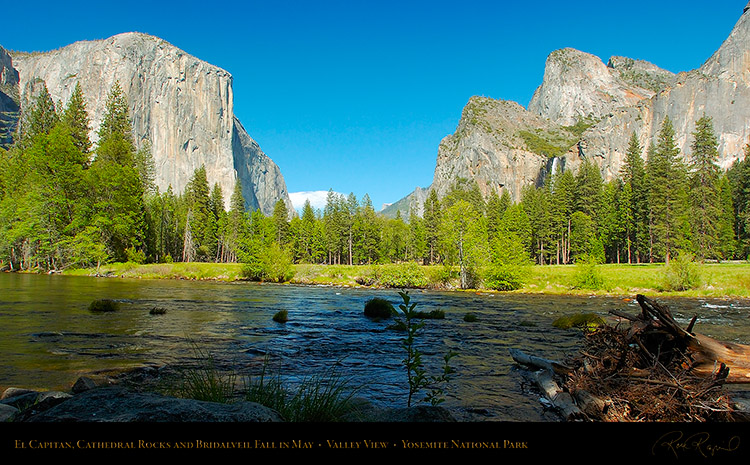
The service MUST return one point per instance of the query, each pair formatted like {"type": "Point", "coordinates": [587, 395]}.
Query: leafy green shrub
{"type": "Point", "coordinates": [368, 276]}
{"type": "Point", "coordinates": [403, 276]}
{"type": "Point", "coordinates": [682, 273]}
{"type": "Point", "coordinates": [379, 308]}
{"type": "Point", "coordinates": [504, 277]}
{"type": "Point", "coordinates": [271, 264]}
{"type": "Point", "coordinates": [281, 316]}
{"type": "Point", "coordinates": [134, 255]}
{"type": "Point", "coordinates": [470, 318]}
{"type": "Point", "coordinates": [588, 276]}
{"type": "Point", "coordinates": [104, 305]}
{"type": "Point", "coordinates": [442, 276]}
{"type": "Point", "coordinates": [579, 320]}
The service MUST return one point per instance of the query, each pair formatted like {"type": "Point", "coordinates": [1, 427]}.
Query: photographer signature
{"type": "Point", "coordinates": [677, 442]}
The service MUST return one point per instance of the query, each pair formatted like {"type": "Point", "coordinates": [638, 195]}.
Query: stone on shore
{"type": "Point", "coordinates": [116, 404]}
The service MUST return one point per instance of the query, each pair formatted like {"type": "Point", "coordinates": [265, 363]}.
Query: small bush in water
{"type": "Point", "coordinates": [379, 308]}
{"type": "Point", "coordinates": [432, 315]}
{"type": "Point", "coordinates": [579, 320]}
{"type": "Point", "coordinates": [104, 305]}
{"type": "Point", "coordinates": [281, 316]}
{"type": "Point", "coordinates": [470, 318]}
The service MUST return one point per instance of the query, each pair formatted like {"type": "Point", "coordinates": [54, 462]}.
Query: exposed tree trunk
{"type": "Point", "coordinates": [707, 355]}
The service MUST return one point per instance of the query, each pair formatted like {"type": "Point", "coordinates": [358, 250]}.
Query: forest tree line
{"type": "Point", "coordinates": [67, 203]}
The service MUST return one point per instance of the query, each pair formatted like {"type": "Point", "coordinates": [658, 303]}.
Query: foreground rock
{"type": "Point", "coordinates": [117, 404]}
{"type": "Point", "coordinates": [120, 404]}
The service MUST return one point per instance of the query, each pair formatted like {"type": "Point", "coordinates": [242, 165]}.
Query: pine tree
{"type": "Point", "coordinates": [705, 191]}
{"type": "Point", "coordinates": [668, 200]}
{"type": "Point", "coordinates": [563, 191]}
{"type": "Point", "coordinates": [432, 219]}
{"type": "Point", "coordinates": [236, 229]}
{"type": "Point", "coordinates": [589, 185]}
{"type": "Point", "coordinates": [41, 118]}
{"type": "Point", "coordinates": [281, 223]}
{"type": "Point", "coordinates": [739, 179]}
{"type": "Point", "coordinates": [119, 206]}
{"type": "Point", "coordinates": [634, 207]}
{"type": "Point", "coordinates": [76, 119]}
{"type": "Point", "coordinates": [367, 233]}
{"type": "Point", "coordinates": [202, 220]}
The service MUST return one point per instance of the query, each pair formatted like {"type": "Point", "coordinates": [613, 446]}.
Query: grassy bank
{"type": "Point", "coordinates": [715, 279]}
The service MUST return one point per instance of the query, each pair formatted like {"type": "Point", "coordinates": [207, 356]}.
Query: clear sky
{"type": "Point", "coordinates": [356, 95]}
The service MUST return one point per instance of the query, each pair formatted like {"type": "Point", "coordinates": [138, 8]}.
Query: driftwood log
{"type": "Point", "coordinates": [652, 371]}
{"type": "Point", "coordinates": [707, 356]}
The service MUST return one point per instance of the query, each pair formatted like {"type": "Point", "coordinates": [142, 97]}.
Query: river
{"type": "Point", "coordinates": [48, 337]}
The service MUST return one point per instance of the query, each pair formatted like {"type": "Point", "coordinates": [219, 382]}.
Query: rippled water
{"type": "Point", "coordinates": [48, 337]}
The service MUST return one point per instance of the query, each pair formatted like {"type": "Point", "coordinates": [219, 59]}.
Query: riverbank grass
{"type": "Point", "coordinates": [712, 279]}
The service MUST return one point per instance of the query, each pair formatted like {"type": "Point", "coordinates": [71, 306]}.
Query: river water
{"type": "Point", "coordinates": [48, 337]}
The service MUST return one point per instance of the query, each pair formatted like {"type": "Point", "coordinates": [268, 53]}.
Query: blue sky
{"type": "Point", "coordinates": [356, 95]}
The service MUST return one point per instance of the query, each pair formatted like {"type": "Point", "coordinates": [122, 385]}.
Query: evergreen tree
{"type": "Point", "coordinates": [634, 202]}
{"type": "Point", "coordinates": [536, 205]}
{"type": "Point", "coordinates": [367, 233]}
{"type": "Point", "coordinates": [432, 220]}
{"type": "Point", "coordinates": [727, 241]}
{"type": "Point", "coordinates": [494, 214]}
{"type": "Point", "coordinates": [76, 119]}
{"type": "Point", "coordinates": [668, 202]}
{"type": "Point", "coordinates": [41, 118]}
{"type": "Point", "coordinates": [705, 191]}
{"type": "Point", "coordinates": [281, 223]}
{"type": "Point", "coordinates": [739, 179]}
{"type": "Point", "coordinates": [237, 223]}
{"type": "Point", "coordinates": [563, 204]}
{"type": "Point", "coordinates": [589, 185]}
{"type": "Point", "coordinates": [118, 211]}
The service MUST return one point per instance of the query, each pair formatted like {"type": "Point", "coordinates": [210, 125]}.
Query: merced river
{"type": "Point", "coordinates": [48, 337]}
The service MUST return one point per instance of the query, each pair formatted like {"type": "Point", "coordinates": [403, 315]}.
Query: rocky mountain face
{"type": "Point", "coordinates": [586, 109]}
{"type": "Point", "coordinates": [500, 145]}
{"type": "Point", "coordinates": [578, 85]}
{"type": "Point", "coordinates": [182, 106]}
{"type": "Point", "coordinates": [719, 89]}
{"type": "Point", "coordinates": [9, 99]}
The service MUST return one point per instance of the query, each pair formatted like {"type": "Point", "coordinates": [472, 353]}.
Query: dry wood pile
{"type": "Point", "coordinates": [653, 370]}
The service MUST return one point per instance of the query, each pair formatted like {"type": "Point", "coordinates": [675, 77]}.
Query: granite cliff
{"type": "Point", "coordinates": [586, 109]}
{"type": "Point", "coordinates": [10, 109]}
{"type": "Point", "coordinates": [180, 105]}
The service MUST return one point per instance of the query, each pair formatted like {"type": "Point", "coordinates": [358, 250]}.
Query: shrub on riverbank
{"type": "Point", "coordinates": [402, 276]}
{"type": "Point", "coordinates": [588, 276]}
{"type": "Point", "coordinates": [726, 279]}
{"type": "Point", "coordinates": [272, 264]}
{"type": "Point", "coordinates": [681, 274]}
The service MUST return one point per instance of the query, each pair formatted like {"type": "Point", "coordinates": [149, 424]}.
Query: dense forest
{"type": "Point", "coordinates": [65, 202]}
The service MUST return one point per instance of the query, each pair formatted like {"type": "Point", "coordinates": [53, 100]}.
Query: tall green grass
{"type": "Point", "coordinates": [325, 397]}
